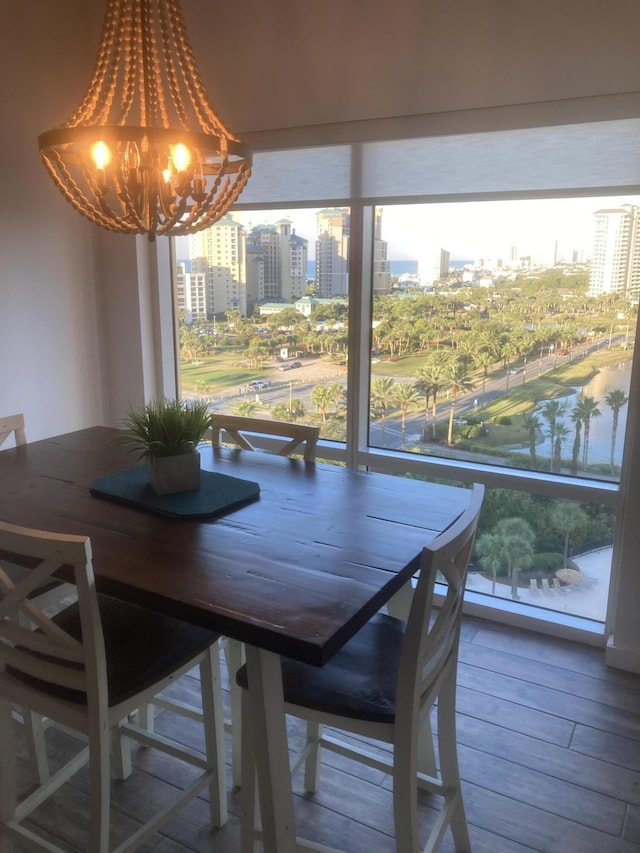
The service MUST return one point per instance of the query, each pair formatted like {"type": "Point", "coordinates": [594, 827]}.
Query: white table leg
{"type": "Point", "coordinates": [266, 707]}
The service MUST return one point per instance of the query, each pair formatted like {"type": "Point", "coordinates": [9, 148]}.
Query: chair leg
{"type": "Point", "coordinates": [405, 792]}
{"type": "Point", "coordinates": [213, 720]}
{"type": "Point", "coordinates": [8, 791]}
{"type": "Point", "coordinates": [36, 745]}
{"type": "Point", "coordinates": [312, 761]}
{"type": "Point", "coordinates": [449, 769]}
{"type": "Point", "coordinates": [99, 784]}
{"type": "Point", "coordinates": [234, 655]}
{"type": "Point", "coordinates": [250, 802]}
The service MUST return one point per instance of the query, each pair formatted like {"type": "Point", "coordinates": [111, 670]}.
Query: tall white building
{"type": "Point", "coordinates": [381, 264]}
{"type": "Point", "coordinates": [277, 263]}
{"type": "Point", "coordinates": [332, 252]}
{"type": "Point", "coordinates": [191, 294]}
{"type": "Point", "coordinates": [615, 263]}
{"type": "Point", "coordinates": [219, 254]}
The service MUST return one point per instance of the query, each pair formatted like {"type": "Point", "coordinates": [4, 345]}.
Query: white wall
{"type": "Point", "coordinates": [283, 65]}
{"type": "Point", "coordinates": [49, 366]}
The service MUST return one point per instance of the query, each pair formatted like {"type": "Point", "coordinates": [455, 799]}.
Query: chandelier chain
{"type": "Point", "coordinates": [191, 76]}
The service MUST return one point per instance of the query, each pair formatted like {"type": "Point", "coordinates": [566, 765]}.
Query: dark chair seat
{"type": "Point", "coordinates": [142, 647]}
{"type": "Point", "coordinates": [359, 682]}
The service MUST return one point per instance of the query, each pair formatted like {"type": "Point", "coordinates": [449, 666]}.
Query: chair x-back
{"type": "Point", "coordinates": [88, 668]}
{"type": "Point", "coordinates": [298, 438]}
{"type": "Point", "coordinates": [382, 685]}
{"type": "Point", "coordinates": [12, 424]}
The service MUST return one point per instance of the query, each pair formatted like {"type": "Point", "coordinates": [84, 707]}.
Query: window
{"type": "Point", "coordinates": [472, 320]}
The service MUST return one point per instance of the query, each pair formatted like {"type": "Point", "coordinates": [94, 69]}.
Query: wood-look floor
{"type": "Point", "coordinates": [549, 745]}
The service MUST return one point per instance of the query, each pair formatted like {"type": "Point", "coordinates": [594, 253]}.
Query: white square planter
{"type": "Point", "coordinates": [173, 474]}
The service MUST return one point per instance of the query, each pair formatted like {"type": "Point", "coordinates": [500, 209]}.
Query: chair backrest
{"type": "Point", "coordinates": [299, 437]}
{"type": "Point", "coordinates": [13, 424]}
{"type": "Point", "coordinates": [48, 659]}
{"type": "Point", "coordinates": [430, 646]}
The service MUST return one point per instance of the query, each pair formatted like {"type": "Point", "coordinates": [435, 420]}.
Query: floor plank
{"type": "Point", "coordinates": [549, 744]}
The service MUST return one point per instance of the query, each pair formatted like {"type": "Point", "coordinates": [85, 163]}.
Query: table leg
{"type": "Point", "coordinates": [266, 707]}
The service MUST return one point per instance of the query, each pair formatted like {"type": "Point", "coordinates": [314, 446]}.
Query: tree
{"type": "Point", "coordinates": [458, 380]}
{"type": "Point", "coordinates": [518, 540]}
{"type": "Point", "coordinates": [492, 557]}
{"type": "Point", "coordinates": [381, 391]}
{"type": "Point", "coordinates": [576, 417]}
{"type": "Point", "coordinates": [615, 399]}
{"type": "Point", "coordinates": [405, 397]}
{"type": "Point", "coordinates": [561, 432]}
{"type": "Point", "coordinates": [322, 398]}
{"type": "Point", "coordinates": [245, 409]}
{"type": "Point", "coordinates": [533, 425]}
{"type": "Point", "coordinates": [567, 517]}
{"type": "Point", "coordinates": [551, 411]}
{"type": "Point", "coordinates": [589, 409]}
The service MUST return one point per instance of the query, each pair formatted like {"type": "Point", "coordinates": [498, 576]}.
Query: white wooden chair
{"type": "Point", "coordinates": [295, 439]}
{"type": "Point", "coordinates": [88, 668]}
{"type": "Point", "coordinates": [382, 685]}
{"type": "Point", "coordinates": [237, 430]}
{"type": "Point", "coordinates": [49, 593]}
{"type": "Point", "coordinates": [13, 424]}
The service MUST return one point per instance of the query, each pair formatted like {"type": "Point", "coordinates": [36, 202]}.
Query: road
{"type": "Point", "coordinates": [299, 383]}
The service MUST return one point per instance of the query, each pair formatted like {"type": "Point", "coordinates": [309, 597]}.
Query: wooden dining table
{"type": "Point", "coordinates": [295, 572]}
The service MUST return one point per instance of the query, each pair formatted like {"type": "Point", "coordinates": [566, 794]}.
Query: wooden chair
{"type": "Point", "coordinates": [13, 424]}
{"type": "Point", "coordinates": [88, 668]}
{"type": "Point", "coordinates": [50, 593]}
{"type": "Point", "coordinates": [382, 685]}
{"type": "Point", "coordinates": [301, 439]}
{"type": "Point", "coordinates": [297, 438]}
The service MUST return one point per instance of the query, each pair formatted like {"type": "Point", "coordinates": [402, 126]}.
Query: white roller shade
{"type": "Point", "coordinates": [601, 156]}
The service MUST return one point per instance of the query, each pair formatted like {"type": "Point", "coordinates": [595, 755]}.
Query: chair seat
{"type": "Point", "coordinates": [142, 647]}
{"type": "Point", "coordinates": [359, 682]}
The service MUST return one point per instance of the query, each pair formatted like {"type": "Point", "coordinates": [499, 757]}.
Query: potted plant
{"type": "Point", "coordinates": [166, 433]}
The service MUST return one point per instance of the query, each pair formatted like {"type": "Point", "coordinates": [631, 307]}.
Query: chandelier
{"type": "Point", "coordinates": [144, 152]}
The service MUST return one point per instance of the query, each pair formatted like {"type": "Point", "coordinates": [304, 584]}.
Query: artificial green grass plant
{"type": "Point", "coordinates": [165, 428]}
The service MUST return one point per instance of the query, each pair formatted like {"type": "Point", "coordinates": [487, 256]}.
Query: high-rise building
{"type": "Point", "coordinates": [381, 265]}
{"type": "Point", "coordinates": [332, 252]}
{"type": "Point", "coordinates": [615, 263]}
{"type": "Point", "coordinates": [191, 294]}
{"type": "Point", "coordinates": [219, 254]}
{"type": "Point", "coordinates": [276, 263]}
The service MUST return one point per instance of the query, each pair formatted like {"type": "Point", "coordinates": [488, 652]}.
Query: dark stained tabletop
{"type": "Point", "coordinates": [297, 572]}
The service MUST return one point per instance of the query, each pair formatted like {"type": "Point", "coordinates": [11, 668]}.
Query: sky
{"type": "Point", "coordinates": [471, 230]}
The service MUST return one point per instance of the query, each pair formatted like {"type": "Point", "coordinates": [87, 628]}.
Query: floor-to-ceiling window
{"type": "Point", "coordinates": [485, 333]}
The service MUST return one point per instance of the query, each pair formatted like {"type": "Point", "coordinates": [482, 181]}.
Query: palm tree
{"type": "Point", "coordinates": [483, 360]}
{"type": "Point", "coordinates": [491, 550]}
{"type": "Point", "coordinates": [381, 390]}
{"type": "Point", "coordinates": [561, 432]}
{"type": "Point", "coordinates": [589, 408]}
{"type": "Point", "coordinates": [615, 399]}
{"type": "Point", "coordinates": [518, 540]}
{"type": "Point", "coordinates": [405, 397]}
{"type": "Point", "coordinates": [322, 398]}
{"type": "Point", "coordinates": [576, 417]}
{"type": "Point", "coordinates": [245, 409]}
{"type": "Point", "coordinates": [567, 517]}
{"type": "Point", "coordinates": [458, 379]}
{"type": "Point", "coordinates": [532, 424]}
{"type": "Point", "coordinates": [551, 411]}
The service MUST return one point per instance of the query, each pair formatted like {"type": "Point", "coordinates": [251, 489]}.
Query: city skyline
{"type": "Point", "coordinates": [548, 228]}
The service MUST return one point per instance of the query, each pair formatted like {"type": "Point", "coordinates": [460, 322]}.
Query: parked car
{"type": "Point", "coordinates": [285, 367]}
{"type": "Point", "coordinates": [296, 364]}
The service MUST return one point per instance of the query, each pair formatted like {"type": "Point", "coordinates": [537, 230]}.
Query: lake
{"type": "Point", "coordinates": [613, 376]}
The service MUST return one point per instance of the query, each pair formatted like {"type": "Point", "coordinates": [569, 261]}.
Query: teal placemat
{"type": "Point", "coordinates": [218, 493]}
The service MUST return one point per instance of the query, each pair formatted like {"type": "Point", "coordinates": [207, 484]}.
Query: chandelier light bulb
{"type": "Point", "coordinates": [173, 167]}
